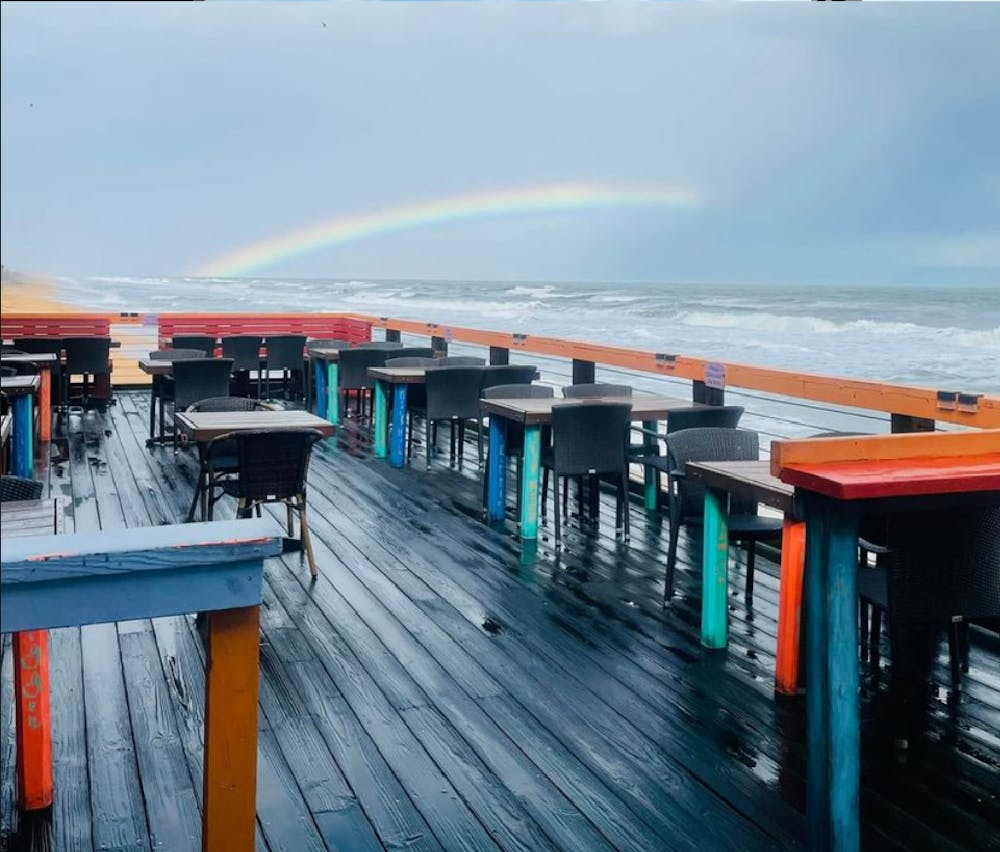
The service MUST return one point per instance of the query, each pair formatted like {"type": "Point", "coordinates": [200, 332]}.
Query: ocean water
{"type": "Point", "coordinates": [939, 337]}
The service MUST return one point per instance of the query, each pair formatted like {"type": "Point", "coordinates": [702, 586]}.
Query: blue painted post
{"type": "Point", "coordinates": [381, 426]}
{"type": "Point", "coordinates": [333, 392]}
{"type": "Point", "coordinates": [23, 461]}
{"type": "Point", "coordinates": [319, 375]}
{"type": "Point", "coordinates": [650, 473]}
{"type": "Point", "coordinates": [397, 437]}
{"type": "Point", "coordinates": [842, 677]}
{"type": "Point", "coordinates": [530, 469]}
{"type": "Point", "coordinates": [496, 472]}
{"type": "Point", "coordinates": [817, 682]}
{"type": "Point", "coordinates": [715, 570]}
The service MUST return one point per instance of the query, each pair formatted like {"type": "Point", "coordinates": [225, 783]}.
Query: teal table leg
{"type": "Point", "coordinates": [23, 461]}
{"type": "Point", "coordinates": [715, 570]}
{"type": "Point", "coordinates": [333, 392]}
{"type": "Point", "coordinates": [530, 469]}
{"type": "Point", "coordinates": [381, 420]}
{"type": "Point", "coordinates": [319, 378]}
{"type": "Point", "coordinates": [397, 435]}
{"type": "Point", "coordinates": [496, 471]}
{"type": "Point", "coordinates": [650, 474]}
{"type": "Point", "coordinates": [833, 734]}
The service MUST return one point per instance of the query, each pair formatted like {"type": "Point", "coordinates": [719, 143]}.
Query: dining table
{"type": "Point", "coordinates": [534, 413]}
{"type": "Point", "coordinates": [33, 730]}
{"type": "Point", "coordinates": [201, 427]}
{"type": "Point", "coordinates": [21, 390]}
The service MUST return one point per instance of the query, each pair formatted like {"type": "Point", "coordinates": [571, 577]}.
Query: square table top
{"type": "Point", "coordinates": [42, 359]}
{"type": "Point", "coordinates": [909, 477]}
{"type": "Point", "coordinates": [206, 425]}
{"type": "Point", "coordinates": [323, 353]}
{"type": "Point", "coordinates": [21, 518]}
{"type": "Point", "coordinates": [18, 385]}
{"type": "Point", "coordinates": [399, 375]}
{"type": "Point", "coordinates": [539, 411]}
{"type": "Point", "coordinates": [156, 366]}
{"type": "Point", "coordinates": [752, 479]}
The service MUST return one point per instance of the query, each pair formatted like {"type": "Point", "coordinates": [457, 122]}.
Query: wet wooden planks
{"type": "Point", "coordinates": [432, 690]}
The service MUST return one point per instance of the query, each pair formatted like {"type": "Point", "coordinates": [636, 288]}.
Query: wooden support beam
{"type": "Point", "coordinates": [583, 372]}
{"type": "Point", "coordinates": [392, 335]}
{"type": "Point", "coordinates": [230, 773]}
{"type": "Point", "coordinates": [439, 345]}
{"type": "Point", "coordinates": [499, 355]}
{"type": "Point", "coordinates": [700, 392]}
{"type": "Point", "coordinates": [33, 727]}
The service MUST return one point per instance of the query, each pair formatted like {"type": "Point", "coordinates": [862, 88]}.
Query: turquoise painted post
{"type": "Point", "coordinates": [715, 570]}
{"type": "Point", "coordinates": [381, 420]}
{"type": "Point", "coordinates": [842, 675]}
{"type": "Point", "coordinates": [650, 473]}
{"type": "Point", "coordinates": [333, 392]}
{"type": "Point", "coordinates": [529, 481]}
{"type": "Point", "coordinates": [496, 471]}
{"type": "Point", "coordinates": [23, 461]}
{"type": "Point", "coordinates": [319, 376]}
{"type": "Point", "coordinates": [397, 436]}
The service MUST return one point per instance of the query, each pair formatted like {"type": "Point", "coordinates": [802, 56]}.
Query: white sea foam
{"type": "Point", "coordinates": [758, 321]}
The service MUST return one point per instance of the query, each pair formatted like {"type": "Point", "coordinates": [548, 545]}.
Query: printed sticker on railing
{"type": "Point", "coordinates": [715, 376]}
{"type": "Point", "coordinates": [664, 361]}
{"type": "Point", "coordinates": [151, 319]}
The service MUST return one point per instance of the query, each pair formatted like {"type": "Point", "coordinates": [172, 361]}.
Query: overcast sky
{"type": "Point", "coordinates": [826, 143]}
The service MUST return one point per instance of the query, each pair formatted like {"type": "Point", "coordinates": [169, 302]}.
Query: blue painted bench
{"type": "Point", "coordinates": [96, 577]}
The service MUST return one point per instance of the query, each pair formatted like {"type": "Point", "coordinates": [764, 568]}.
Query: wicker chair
{"type": "Point", "coordinates": [271, 468]}
{"type": "Point", "coordinates": [509, 374]}
{"type": "Point", "coordinates": [162, 388]}
{"type": "Point", "coordinates": [687, 499]}
{"type": "Point", "coordinates": [204, 343]}
{"type": "Point", "coordinates": [461, 361]}
{"type": "Point", "coordinates": [410, 361]}
{"type": "Point", "coordinates": [328, 343]}
{"type": "Point", "coordinates": [19, 488]}
{"type": "Point", "coordinates": [380, 344]}
{"type": "Point", "coordinates": [600, 390]}
{"type": "Point", "coordinates": [285, 352]}
{"type": "Point", "coordinates": [88, 357]}
{"type": "Point", "coordinates": [353, 373]}
{"type": "Point", "coordinates": [942, 571]}
{"type": "Point", "coordinates": [195, 379]}
{"type": "Point", "coordinates": [515, 431]}
{"type": "Point", "coordinates": [452, 394]}
{"type": "Point", "coordinates": [244, 350]}
{"type": "Point", "coordinates": [588, 439]}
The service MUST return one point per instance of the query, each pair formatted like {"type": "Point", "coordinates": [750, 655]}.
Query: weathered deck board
{"type": "Point", "coordinates": [431, 690]}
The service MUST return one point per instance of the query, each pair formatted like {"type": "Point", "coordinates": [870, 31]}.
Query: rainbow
{"type": "Point", "coordinates": [547, 198]}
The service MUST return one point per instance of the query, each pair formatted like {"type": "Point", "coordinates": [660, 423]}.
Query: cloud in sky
{"type": "Point", "coordinates": [847, 145]}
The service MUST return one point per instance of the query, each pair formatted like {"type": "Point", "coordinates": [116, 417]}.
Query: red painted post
{"type": "Point", "coordinates": [33, 720]}
{"type": "Point", "coordinates": [793, 555]}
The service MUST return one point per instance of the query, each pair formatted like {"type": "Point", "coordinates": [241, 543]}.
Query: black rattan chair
{"type": "Point", "coordinates": [88, 357]}
{"type": "Point", "coordinates": [244, 349]}
{"type": "Point", "coordinates": [411, 362]}
{"type": "Point", "coordinates": [509, 374]}
{"type": "Point", "coordinates": [204, 343]}
{"type": "Point", "coordinates": [272, 467]}
{"type": "Point", "coordinates": [19, 488]}
{"type": "Point", "coordinates": [195, 379]}
{"type": "Point", "coordinates": [328, 343]}
{"type": "Point", "coordinates": [687, 499]}
{"type": "Point", "coordinates": [285, 352]}
{"type": "Point", "coordinates": [600, 390]}
{"type": "Point", "coordinates": [453, 394]}
{"type": "Point", "coordinates": [461, 361]}
{"type": "Point", "coordinates": [588, 439]}
{"type": "Point", "coordinates": [163, 387]}
{"type": "Point", "coordinates": [39, 345]}
{"type": "Point", "coordinates": [380, 344]}
{"type": "Point", "coordinates": [410, 352]}
{"type": "Point", "coordinates": [352, 374]}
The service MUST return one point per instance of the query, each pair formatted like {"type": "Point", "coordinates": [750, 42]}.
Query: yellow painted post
{"type": "Point", "coordinates": [230, 779]}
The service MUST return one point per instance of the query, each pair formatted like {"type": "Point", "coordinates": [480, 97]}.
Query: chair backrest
{"type": "Point", "coordinates": [7, 371]}
{"type": "Point", "coordinates": [244, 349]}
{"type": "Point", "coordinates": [411, 362]}
{"type": "Point", "coordinates": [380, 344]}
{"type": "Point", "coordinates": [175, 354]}
{"type": "Point", "coordinates": [518, 391]}
{"type": "Point", "coordinates": [20, 368]}
{"type": "Point", "coordinates": [285, 351]}
{"type": "Point", "coordinates": [412, 352]}
{"type": "Point", "coordinates": [509, 374]}
{"type": "Point", "coordinates": [273, 464]}
{"type": "Point", "coordinates": [944, 564]}
{"type": "Point", "coordinates": [19, 488]}
{"type": "Point", "coordinates": [354, 363]}
{"type": "Point", "coordinates": [590, 437]}
{"type": "Point", "coordinates": [87, 355]}
{"type": "Point", "coordinates": [453, 392]}
{"type": "Point", "coordinates": [328, 343]}
{"type": "Point", "coordinates": [228, 403]}
{"type": "Point", "coordinates": [461, 361]}
{"type": "Point", "coordinates": [710, 444]}
{"type": "Point", "coordinates": [196, 379]}
{"type": "Point", "coordinates": [597, 391]}
{"type": "Point", "coordinates": [710, 417]}
{"type": "Point", "coordinates": [202, 342]}
{"type": "Point", "coordinates": [39, 345]}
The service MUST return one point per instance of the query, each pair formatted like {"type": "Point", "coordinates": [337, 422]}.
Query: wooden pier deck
{"type": "Point", "coordinates": [437, 688]}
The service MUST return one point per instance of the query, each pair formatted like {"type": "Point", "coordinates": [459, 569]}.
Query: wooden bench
{"type": "Point", "coordinates": [220, 325]}
{"type": "Point", "coordinates": [149, 572]}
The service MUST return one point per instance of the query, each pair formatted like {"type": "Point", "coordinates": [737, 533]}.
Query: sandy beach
{"type": "Point", "coordinates": [33, 293]}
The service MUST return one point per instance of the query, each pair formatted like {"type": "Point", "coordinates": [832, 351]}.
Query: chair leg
{"type": "Point", "coordinates": [875, 639]}
{"type": "Point", "coordinates": [955, 656]}
{"type": "Point", "coordinates": [479, 442]}
{"type": "Point", "coordinates": [409, 437]}
{"type": "Point", "coordinates": [626, 524]}
{"type": "Point", "coordinates": [555, 503]}
{"type": "Point", "coordinates": [307, 537]}
{"type": "Point", "coordinates": [461, 441]}
{"type": "Point", "coordinates": [451, 441]}
{"type": "Point", "coordinates": [751, 559]}
{"type": "Point", "coordinates": [675, 523]}
{"type": "Point", "coordinates": [545, 492]}
{"type": "Point", "coordinates": [427, 441]}
{"type": "Point", "coordinates": [518, 464]}
{"type": "Point", "coordinates": [863, 629]}
{"type": "Point", "coordinates": [288, 518]}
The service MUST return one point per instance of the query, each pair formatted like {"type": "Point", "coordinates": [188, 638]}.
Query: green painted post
{"type": "Point", "coordinates": [333, 392]}
{"type": "Point", "coordinates": [715, 570]}
{"type": "Point", "coordinates": [529, 481]}
{"type": "Point", "coordinates": [651, 475]}
{"type": "Point", "coordinates": [381, 420]}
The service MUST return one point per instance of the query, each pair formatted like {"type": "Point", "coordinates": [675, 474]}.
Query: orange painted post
{"type": "Point", "coordinates": [33, 720]}
{"type": "Point", "coordinates": [793, 556]}
{"type": "Point", "coordinates": [230, 779]}
{"type": "Point", "coordinates": [45, 404]}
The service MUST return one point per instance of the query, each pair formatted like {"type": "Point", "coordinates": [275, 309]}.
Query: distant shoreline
{"type": "Point", "coordinates": [24, 292]}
